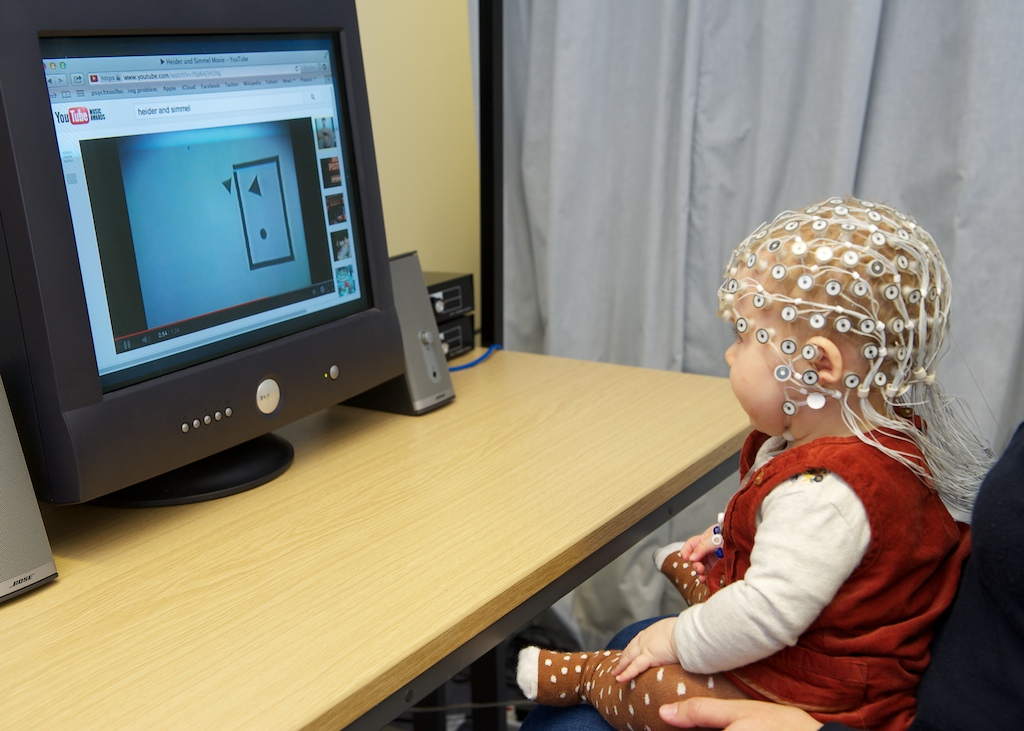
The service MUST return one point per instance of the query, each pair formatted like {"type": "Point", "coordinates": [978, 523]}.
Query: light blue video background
{"type": "Point", "coordinates": [187, 226]}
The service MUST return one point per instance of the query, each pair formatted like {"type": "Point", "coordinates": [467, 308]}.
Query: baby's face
{"type": "Point", "coordinates": [774, 365]}
{"type": "Point", "coordinates": [752, 367]}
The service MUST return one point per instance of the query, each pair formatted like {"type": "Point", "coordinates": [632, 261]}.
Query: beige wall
{"type": "Point", "coordinates": [419, 77]}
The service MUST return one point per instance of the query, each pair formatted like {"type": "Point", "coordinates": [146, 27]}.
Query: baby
{"type": "Point", "coordinates": [821, 586]}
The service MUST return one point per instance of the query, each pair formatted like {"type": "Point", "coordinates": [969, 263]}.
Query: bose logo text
{"type": "Point", "coordinates": [75, 115]}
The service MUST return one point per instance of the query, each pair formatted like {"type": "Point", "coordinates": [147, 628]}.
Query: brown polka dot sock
{"type": "Point", "coordinates": [569, 678]}
{"type": "Point", "coordinates": [684, 578]}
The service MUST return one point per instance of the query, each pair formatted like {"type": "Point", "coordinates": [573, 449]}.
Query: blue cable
{"type": "Point", "coordinates": [479, 360]}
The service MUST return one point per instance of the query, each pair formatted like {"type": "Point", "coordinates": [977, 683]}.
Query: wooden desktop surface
{"type": "Point", "coordinates": [389, 543]}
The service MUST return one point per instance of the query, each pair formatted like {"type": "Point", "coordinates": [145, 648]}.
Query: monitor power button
{"type": "Point", "coordinates": [268, 396]}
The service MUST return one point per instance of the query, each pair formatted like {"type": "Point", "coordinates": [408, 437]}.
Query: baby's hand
{"type": "Point", "coordinates": [700, 551]}
{"type": "Point", "coordinates": [652, 647]}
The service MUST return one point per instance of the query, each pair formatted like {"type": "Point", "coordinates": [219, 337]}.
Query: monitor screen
{"type": "Point", "coordinates": [192, 246]}
{"type": "Point", "coordinates": [208, 192]}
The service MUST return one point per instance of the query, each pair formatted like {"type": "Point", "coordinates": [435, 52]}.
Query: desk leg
{"type": "Point", "coordinates": [431, 721]}
{"type": "Point", "coordinates": [487, 678]}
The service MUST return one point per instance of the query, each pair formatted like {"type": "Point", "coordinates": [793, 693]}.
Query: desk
{"type": "Point", "coordinates": [394, 552]}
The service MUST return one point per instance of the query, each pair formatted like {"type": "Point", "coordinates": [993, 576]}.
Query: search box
{"type": "Point", "coordinates": [190, 105]}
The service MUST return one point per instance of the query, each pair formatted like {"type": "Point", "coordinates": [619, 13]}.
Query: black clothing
{"type": "Point", "coordinates": [976, 676]}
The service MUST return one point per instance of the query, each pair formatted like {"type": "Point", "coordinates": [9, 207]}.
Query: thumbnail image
{"type": "Point", "coordinates": [331, 171]}
{"type": "Point", "coordinates": [325, 135]}
{"type": "Point", "coordinates": [341, 245]}
{"type": "Point", "coordinates": [336, 208]}
{"type": "Point", "coordinates": [346, 280]}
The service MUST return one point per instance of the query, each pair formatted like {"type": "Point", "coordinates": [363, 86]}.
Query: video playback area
{"type": "Point", "coordinates": [199, 228]}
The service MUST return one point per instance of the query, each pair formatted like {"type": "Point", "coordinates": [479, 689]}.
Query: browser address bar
{"type": "Point", "coordinates": [103, 78]}
{"type": "Point", "coordinates": [176, 106]}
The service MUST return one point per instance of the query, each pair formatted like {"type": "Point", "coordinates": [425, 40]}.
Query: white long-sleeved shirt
{"type": "Point", "coordinates": [812, 532]}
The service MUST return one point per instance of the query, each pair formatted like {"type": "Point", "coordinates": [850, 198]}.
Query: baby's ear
{"type": "Point", "coordinates": [829, 361]}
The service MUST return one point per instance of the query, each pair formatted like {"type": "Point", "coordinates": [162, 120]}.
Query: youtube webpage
{"type": "Point", "coordinates": [208, 194]}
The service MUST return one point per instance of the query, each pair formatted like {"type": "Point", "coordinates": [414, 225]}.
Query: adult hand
{"type": "Point", "coordinates": [653, 647]}
{"type": "Point", "coordinates": [732, 715]}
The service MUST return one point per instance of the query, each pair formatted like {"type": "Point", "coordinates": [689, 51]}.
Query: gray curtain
{"type": "Point", "coordinates": [644, 140]}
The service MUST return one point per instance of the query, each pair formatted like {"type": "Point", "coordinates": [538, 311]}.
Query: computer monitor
{"type": "Point", "coordinates": [193, 249]}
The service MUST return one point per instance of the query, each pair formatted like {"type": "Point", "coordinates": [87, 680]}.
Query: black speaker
{"type": "Point", "coordinates": [25, 558]}
{"type": "Point", "coordinates": [426, 383]}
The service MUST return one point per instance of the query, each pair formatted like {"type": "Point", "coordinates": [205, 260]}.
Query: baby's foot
{"type": "Point", "coordinates": [670, 562]}
{"type": "Point", "coordinates": [561, 678]}
{"type": "Point", "coordinates": [660, 555]}
{"type": "Point", "coordinates": [569, 678]}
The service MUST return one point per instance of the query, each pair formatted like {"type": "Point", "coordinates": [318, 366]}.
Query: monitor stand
{"type": "Point", "coordinates": [234, 470]}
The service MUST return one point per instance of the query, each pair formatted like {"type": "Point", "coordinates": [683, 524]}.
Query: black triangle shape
{"type": "Point", "coordinates": [227, 185]}
{"type": "Point", "coordinates": [255, 187]}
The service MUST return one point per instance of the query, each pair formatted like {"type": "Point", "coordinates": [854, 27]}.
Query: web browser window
{"type": "Point", "coordinates": [210, 192]}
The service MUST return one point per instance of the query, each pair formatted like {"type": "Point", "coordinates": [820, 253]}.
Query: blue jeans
{"type": "Point", "coordinates": [581, 717]}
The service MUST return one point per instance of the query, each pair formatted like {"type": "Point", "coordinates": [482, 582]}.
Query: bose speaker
{"type": "Point", "coordinates": [25, 558]}
{"type": "Point", "coordinates": [426, 383]}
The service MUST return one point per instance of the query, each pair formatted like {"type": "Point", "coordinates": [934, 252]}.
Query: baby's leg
{"type": "Point", "coordinates": [565, 679]}
{"type": "Point", "coordinates": [681, 574]}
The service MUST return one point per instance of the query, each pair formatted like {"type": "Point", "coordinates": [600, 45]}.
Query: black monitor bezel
{"type": "Point", "coordinates": [47, 352]}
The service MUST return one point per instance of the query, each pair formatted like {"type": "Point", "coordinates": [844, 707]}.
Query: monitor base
{"type": "Point", "coordinates": [232, 471]}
